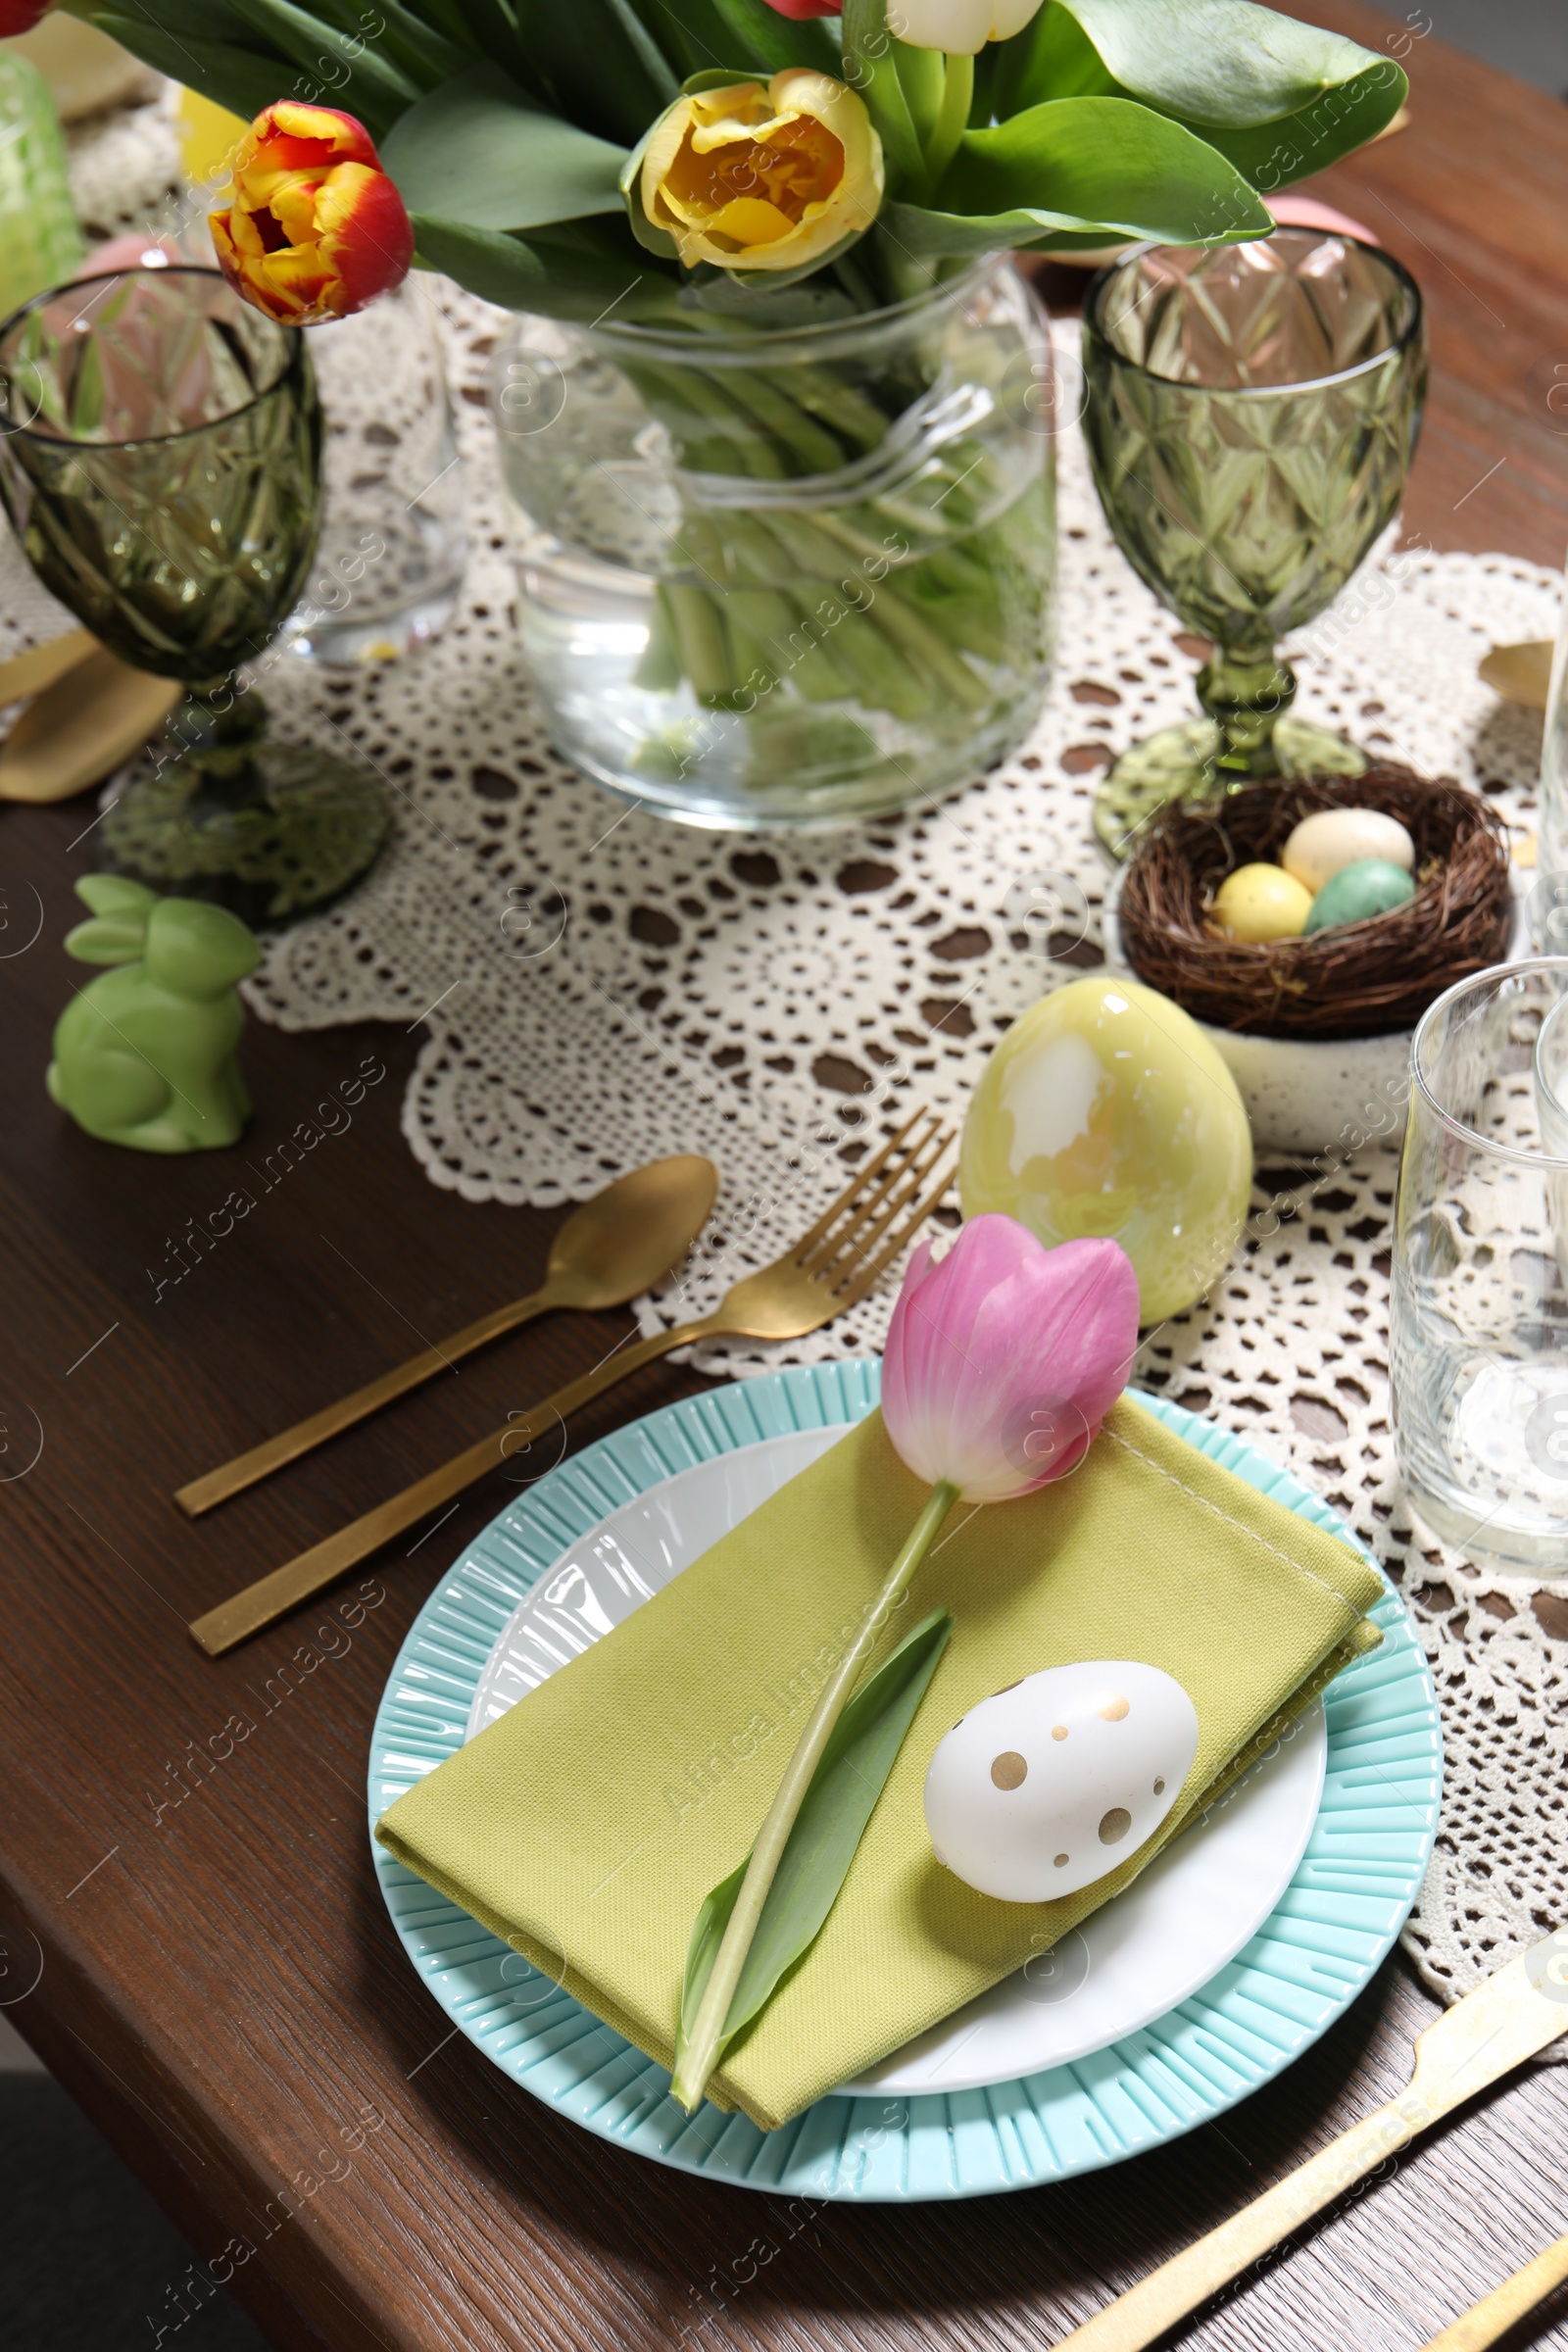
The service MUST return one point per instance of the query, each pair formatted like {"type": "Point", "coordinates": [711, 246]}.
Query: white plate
{"type": "Point", "coordinates": [1185, 1919]}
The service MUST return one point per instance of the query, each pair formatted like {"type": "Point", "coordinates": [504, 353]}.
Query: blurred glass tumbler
{"type": "Point", "coordinates": [160, 457]}
{"type": "Point", "coordinates": [40, 243]}
{"type": "Point", "coordinates": [1478, 1331]}
{"type": "Point", "coordinates": [394, 536]}
{"type": "Point", "coordinates": [1554, 776]}
{"type": "Point", "coordinates": [1253, 410]}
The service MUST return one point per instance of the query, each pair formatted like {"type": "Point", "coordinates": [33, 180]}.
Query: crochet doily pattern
{"type": "Point", "coordinates": [596, 987]}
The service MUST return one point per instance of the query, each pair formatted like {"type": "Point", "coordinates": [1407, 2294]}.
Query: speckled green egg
{"type": "Point", "coordinates": [1106, 1112]}
{"type": "Point", "coordinates": [1371, 886]}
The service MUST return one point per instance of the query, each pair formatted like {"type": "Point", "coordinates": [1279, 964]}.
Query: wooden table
{"type": "Point", "coordinates": [191, 1934]}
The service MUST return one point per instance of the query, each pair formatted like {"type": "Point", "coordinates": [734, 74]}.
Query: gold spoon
{"type": "Point", "coordinates": [81, 725]}
{"type": "Point", "coordinates": [1520, 673]}
{"type": "Point", "coordinates": [828, 1270]}
{"type": "Point", "coordinates": [612, 1249]}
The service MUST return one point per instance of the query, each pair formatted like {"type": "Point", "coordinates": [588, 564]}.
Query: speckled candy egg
{"type": "Point", "coordinates": [1324, 845]}
{"type": "Point", "coordinates": [1105, 1111]}
{"type": "Point", "coordinates": [1050, 1784]}
{"type": "Point", "coordinates": [1260, 902]}
{"type": "Point", "coordinates": [1369, 887]}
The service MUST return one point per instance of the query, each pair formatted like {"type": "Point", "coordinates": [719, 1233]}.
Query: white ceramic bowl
{"type": "Point", "coordinates": [1312, 1094]}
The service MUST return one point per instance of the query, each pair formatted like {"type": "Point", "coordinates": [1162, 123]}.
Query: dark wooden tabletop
{"type": "Point", "coordinates": [189, 1931]}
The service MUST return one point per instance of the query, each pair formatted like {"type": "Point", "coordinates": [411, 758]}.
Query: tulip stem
{"type": "Point", "coordinates": [957, 96]}
{"type": "Point", "coordinates": [706, 2041]}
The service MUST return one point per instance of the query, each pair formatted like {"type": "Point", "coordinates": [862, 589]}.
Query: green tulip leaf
{"type": "Point", "coordinates": [338, 70]}
{"type": "Point", "coordinates": [427, 56]}
{"type": "Point", "coordinates": [230, 73]}
{"type": "Point", "coordinates": [1082, 164]}
{"type": "Point", "coordinates": [491, 26]}
{"type": "Point", "coordinates": [778, 41]}
{"type": "Point", "coordinates": [870, 66]}
{"type": "Point", "coordinates": [545, 274]}
{"type": "Point", "coordinates": [459, 23]}
{"type": "Point", "coordinates": [1222, 64]}
{"type": "Point", "coordinates": [859, 1754]}
{"type": "Point", "coordinates": [476, 151]}
{"type": "Point", "coordinates": [696, 39]}
{"type": "Point", "coordinates": [597, 64]}
{"type": "Point", "coordinates": [1276, 97]}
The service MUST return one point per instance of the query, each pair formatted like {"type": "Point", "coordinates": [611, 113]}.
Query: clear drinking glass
{"type": "Point", "coordinates": [1479, 1333]}
{"type": "Point", "coordinates": [1554, 762]}
{"type": "Point", "coordinates": [394, 534]}
{"type": "Point", "coordinates": [786, 575]}
{"type": "Point", "coordinates": [1253, 412]}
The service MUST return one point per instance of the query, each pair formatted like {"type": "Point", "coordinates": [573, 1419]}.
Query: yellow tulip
{"type": "Point", "coordinates": [764, 176]}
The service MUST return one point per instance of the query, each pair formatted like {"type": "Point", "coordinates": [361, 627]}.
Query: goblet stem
{"type": "Point", "coordinates": [1246, 696]}
{"type": "Point", "coordinates": [217, 727]}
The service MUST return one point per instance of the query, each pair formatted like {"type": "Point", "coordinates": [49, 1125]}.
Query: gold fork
{"type": "Point", "coordinates": [829, 1269]}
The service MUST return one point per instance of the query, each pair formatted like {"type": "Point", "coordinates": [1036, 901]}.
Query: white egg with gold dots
{"type": "Point", "coordinates": [1055, 1781]}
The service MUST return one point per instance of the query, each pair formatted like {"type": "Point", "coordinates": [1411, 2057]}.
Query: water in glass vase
{"type": "Point", "coordinates": [786, 579]}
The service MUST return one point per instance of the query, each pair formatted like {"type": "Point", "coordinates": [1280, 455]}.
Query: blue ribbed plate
{"type": "Point", "coordinates": [1342, 1911]}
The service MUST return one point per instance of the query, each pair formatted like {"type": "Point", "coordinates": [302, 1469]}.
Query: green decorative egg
{"type": "Point", "coordinates": [1105, 1111]}
{"type": "Point", "coordinates": [1371, 886]}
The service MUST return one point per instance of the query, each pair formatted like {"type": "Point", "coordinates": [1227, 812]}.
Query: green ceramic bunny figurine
{"type": "Point", "coordinates": [145, 1055]}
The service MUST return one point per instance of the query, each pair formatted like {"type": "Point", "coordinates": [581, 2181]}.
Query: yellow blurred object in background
{"type": "Point", "coordinates": [208, 135]}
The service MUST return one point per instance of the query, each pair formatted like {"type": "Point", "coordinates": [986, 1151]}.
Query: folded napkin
{"type": "Point", "coordinates": [587, 1825]}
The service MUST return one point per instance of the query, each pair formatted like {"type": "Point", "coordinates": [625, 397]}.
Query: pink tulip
{"type": "Point", "coordinates": [1002, 1362]}
{"type": "Point", "coordinates": [804, 8]}
{"type": "Point", "coordinates": [1004, 1358]}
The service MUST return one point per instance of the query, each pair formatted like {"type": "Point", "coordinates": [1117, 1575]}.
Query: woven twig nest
{"type": "Point", "coordinates": [1361, 980]}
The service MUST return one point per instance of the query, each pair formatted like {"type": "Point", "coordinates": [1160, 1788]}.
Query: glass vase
{"type": "Point", "coordinates": [796, 577]}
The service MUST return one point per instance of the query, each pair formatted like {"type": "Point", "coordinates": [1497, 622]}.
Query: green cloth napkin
{"type": "Point", "coordinates": [586, 1826]}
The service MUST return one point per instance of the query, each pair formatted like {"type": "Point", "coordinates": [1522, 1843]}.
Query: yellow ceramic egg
{"type": "Point", "coordinates": [1105, 1111]}
{"type": "Point", "coordinates": [1324, 845]}
{"type": "Point", "coordinates": [1260, 902]}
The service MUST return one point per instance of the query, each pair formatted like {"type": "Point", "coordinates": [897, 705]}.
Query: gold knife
{"type": "Point", "coordinates": [1519, 2009]}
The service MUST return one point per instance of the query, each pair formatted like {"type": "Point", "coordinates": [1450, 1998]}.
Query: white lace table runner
{"type": "Point", "coordinates": [594, 987]}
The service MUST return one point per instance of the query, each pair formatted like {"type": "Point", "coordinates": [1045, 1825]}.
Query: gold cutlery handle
{"type": "Point", "coordinates": [234, 1619]}
{"type": "Point", "coordinates": [1509, 2016]}
{"type": "Point", "coordinates": [1142, 2315]}
{"type": "Point", "coordinates": [1490, 2320]}
{"type": "Point", "coordinates": [231, 1477]}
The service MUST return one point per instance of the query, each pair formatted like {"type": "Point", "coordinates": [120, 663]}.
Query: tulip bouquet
{"type": "Point", "coordinates": [708, 170]}
{"type": "Point", "coordinates": [1001, 1362]}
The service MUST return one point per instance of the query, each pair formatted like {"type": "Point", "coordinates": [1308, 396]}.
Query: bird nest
{"type": "Point", "coordinates": [1360, 980]}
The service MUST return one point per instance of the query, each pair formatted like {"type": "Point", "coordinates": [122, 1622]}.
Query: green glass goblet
{"type": "Point", "coordinates": [161, 459]}
{"type": "Point", "coordinates": [1251, 413]}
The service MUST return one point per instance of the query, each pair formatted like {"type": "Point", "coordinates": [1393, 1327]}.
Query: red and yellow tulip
{"type": "Point", "coordinates": [315, 229]}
